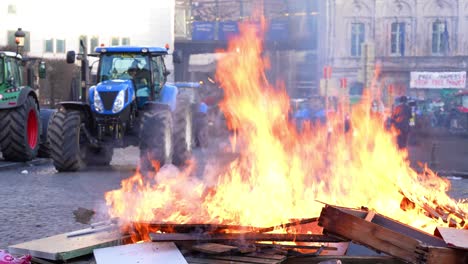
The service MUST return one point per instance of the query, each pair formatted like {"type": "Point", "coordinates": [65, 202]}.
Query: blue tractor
{"type": "Point", "coordinates": [130, 104]}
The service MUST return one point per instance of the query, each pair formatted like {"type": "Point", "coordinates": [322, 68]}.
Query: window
{"type": "Point", "coordinates": [440, 38]}
{"type": "Point", "coordinates": [357, 38]}
{"type": "Point", "coordinates": [12, 9]}
{"type": "Point", "coordinates": [60, 45]}
{"type": "Point", "coordinates": [398, 39]}
{"type": "Point", "coordinates": [49, 45]}
{"type": "Point", "coordinates": [115, 41]}
{"type": "Point", "coordinates": [12, 42]}
{"type": "Point", "coordinates": [158, 69]}
{"type": "Point", "coordinates": [12, 72]}
{"type": "Point", "coordinates": [125, 41]}
{"type": "Point", "coordinates": [94, 43]}
{"type": "Point", "coordinates": [85, 42]}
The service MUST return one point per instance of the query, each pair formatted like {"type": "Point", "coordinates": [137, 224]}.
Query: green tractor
{"type": "Point", "coordinates": [20, 119]}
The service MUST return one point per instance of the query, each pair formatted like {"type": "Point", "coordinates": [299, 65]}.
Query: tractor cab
{"type": "Point", "coordinates": [11, 73]}
{"type": "Point", "coordinates": [138, 70]}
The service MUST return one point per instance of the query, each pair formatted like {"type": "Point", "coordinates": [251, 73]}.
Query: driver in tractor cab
{"type": "Point", "coordinates": [135, 74]}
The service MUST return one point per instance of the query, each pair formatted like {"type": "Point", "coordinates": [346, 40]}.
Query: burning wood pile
{"type": "Point", "coordinates": [334, 237]}
{"type": "Point", "coordinates": [279, 175]}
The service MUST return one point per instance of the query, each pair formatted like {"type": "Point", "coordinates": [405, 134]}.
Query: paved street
{"type": "Point", "coordinates": [38, 202]}
{"type": "Point", "coordinates": [41, 202]}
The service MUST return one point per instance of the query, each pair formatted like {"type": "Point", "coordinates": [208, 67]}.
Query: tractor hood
{"type": "Point", "coordinates": [113, 85]}
{"type": "Point", "coordinates": [111, 96]}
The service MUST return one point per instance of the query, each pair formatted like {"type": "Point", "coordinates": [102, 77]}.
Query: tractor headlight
{"type": "Point", "coordinates": [119, 102]}
{"type": "Point", "coordinates": [98, 106]}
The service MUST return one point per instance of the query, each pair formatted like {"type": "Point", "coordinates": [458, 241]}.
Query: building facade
{"type": "Point", "coordinates": [53, 27]}
{"type": "Point", "coordinates": [291, 40]}
{"type": "Point", "coordinates": [397, 37]}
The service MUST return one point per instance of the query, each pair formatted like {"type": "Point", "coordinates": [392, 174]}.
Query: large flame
{"type": "Point", "coordinates": [282, 174]}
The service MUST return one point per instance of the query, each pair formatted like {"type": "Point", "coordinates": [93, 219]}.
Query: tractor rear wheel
{"type": "Point", "coordinates": [19, 135]}
{"type": "Point", "coordinates": [183, 131]}
{"type": "Point", "coordinates": [155, 140]}
{"type": "Point", "coordinates": [68, 150]}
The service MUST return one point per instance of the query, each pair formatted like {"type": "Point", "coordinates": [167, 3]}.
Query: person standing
{"type": "Point", "coordinates": [401, 116]}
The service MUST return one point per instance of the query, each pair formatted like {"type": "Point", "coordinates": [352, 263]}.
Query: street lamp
{"type": "Point", "coordinates": [19, 39]}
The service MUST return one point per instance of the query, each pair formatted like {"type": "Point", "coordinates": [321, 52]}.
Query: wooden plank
{"type": "Point", "coordinates": [345, 260]}
{"type": "Point", "coordinates": [243, 237]}
{"type": "Point", "coordinates": [389, 236]}
{"type": "Point", "coordinates": [266, 256]}
{"type": "Point", "coordinates": [200, 260]}
{"type": "Point", "coordinates": [283, 226]}
{"type": "Point", "coordinates": [337, 222]}
{"type": "Point", "coordinates": [370, 215]}
{"type": "Point", "coordinates": [141, 253]}
{"type": "Point", "coordinates": [61, 247]}
{"type": "Point", "coordinates": [189, 228]}
{"type": "Point", "coordinates": [247, 259]}
{"type": "Point", "coordinates": [40, 261]}
{"type": "Point", "coordinates": [213, 248]}
{"type": "Point", "coordinates": [296, 246]}
{"type": "Point", "coordinates": [437, 255]}
{"type": "Point", "coordinates": [453, 237]}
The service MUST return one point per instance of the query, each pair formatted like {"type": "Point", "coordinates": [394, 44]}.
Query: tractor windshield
{"type": "Point", "coordinates": [116, 65]}
{"type": "Point", "coordinates": [2, 77]}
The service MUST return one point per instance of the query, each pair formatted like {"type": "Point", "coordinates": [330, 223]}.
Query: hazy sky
{"type": "Point", "coordinates": [74, 17]}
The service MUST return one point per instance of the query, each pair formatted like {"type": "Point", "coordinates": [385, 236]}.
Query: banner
{"type": "Point", "coordinates": [438, 80]}
{"type": "Point", "coordinates": [203, 30]}
{"type": "Point", "coordinates": [278, 30]}
{"type": "Point", "coordinates": [227, 29]}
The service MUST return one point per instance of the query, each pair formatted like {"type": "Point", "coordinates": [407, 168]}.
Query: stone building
{"type": "Point", "coordinates": [399, 37]}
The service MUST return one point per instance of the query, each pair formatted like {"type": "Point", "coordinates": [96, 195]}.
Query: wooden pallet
{"type": "Point", "coordinates": [386, 235]}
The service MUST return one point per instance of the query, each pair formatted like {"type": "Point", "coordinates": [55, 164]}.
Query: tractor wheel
{"type": "Point", "coordinates": [155, 140]}
{"type": "Point", "coordinates": [44, 146]}
{"type": "Point", "coordinates": [99, 157]}
{"type": "Point", "coordinates": [68, 151]}
{"type": "Point", "coordinates": [183, 131]}
{"type": "Point", "coordinates": [19, 135]}
{"type": "Point", "coordinates": [201, 130]}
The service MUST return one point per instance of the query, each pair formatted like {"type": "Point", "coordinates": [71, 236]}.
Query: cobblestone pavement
{"type": "Point", "coordinates": [41, 202]}
{"type": "Point", "coordinates": [37, 202]}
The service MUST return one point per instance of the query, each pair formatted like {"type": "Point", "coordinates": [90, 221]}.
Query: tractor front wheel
{"type": "Point", "coordinates": [19, 134]}
{"type": "Point", "coordinates": [68, 149]}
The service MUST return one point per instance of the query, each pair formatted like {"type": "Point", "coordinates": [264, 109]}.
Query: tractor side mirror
{"type": "Point", "coordinates": [42, 70]}
{"type": "Point", "coordinates": [166, 73]}
{"type": "Point", "coordinates": [71, 56]}
{"type": "Point", "coordinates": [177, 56]}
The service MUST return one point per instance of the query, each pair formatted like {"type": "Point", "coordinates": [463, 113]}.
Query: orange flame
{"type": "Point", "coordinates": [283, 174]}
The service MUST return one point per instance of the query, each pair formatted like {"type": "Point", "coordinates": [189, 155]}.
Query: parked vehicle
{"type": "Point", "coordinates": [130, 104]}
{"type": "Point", "coordinates": [23, 125]}
{"type": "Point", "coordinates": [458, 113]}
